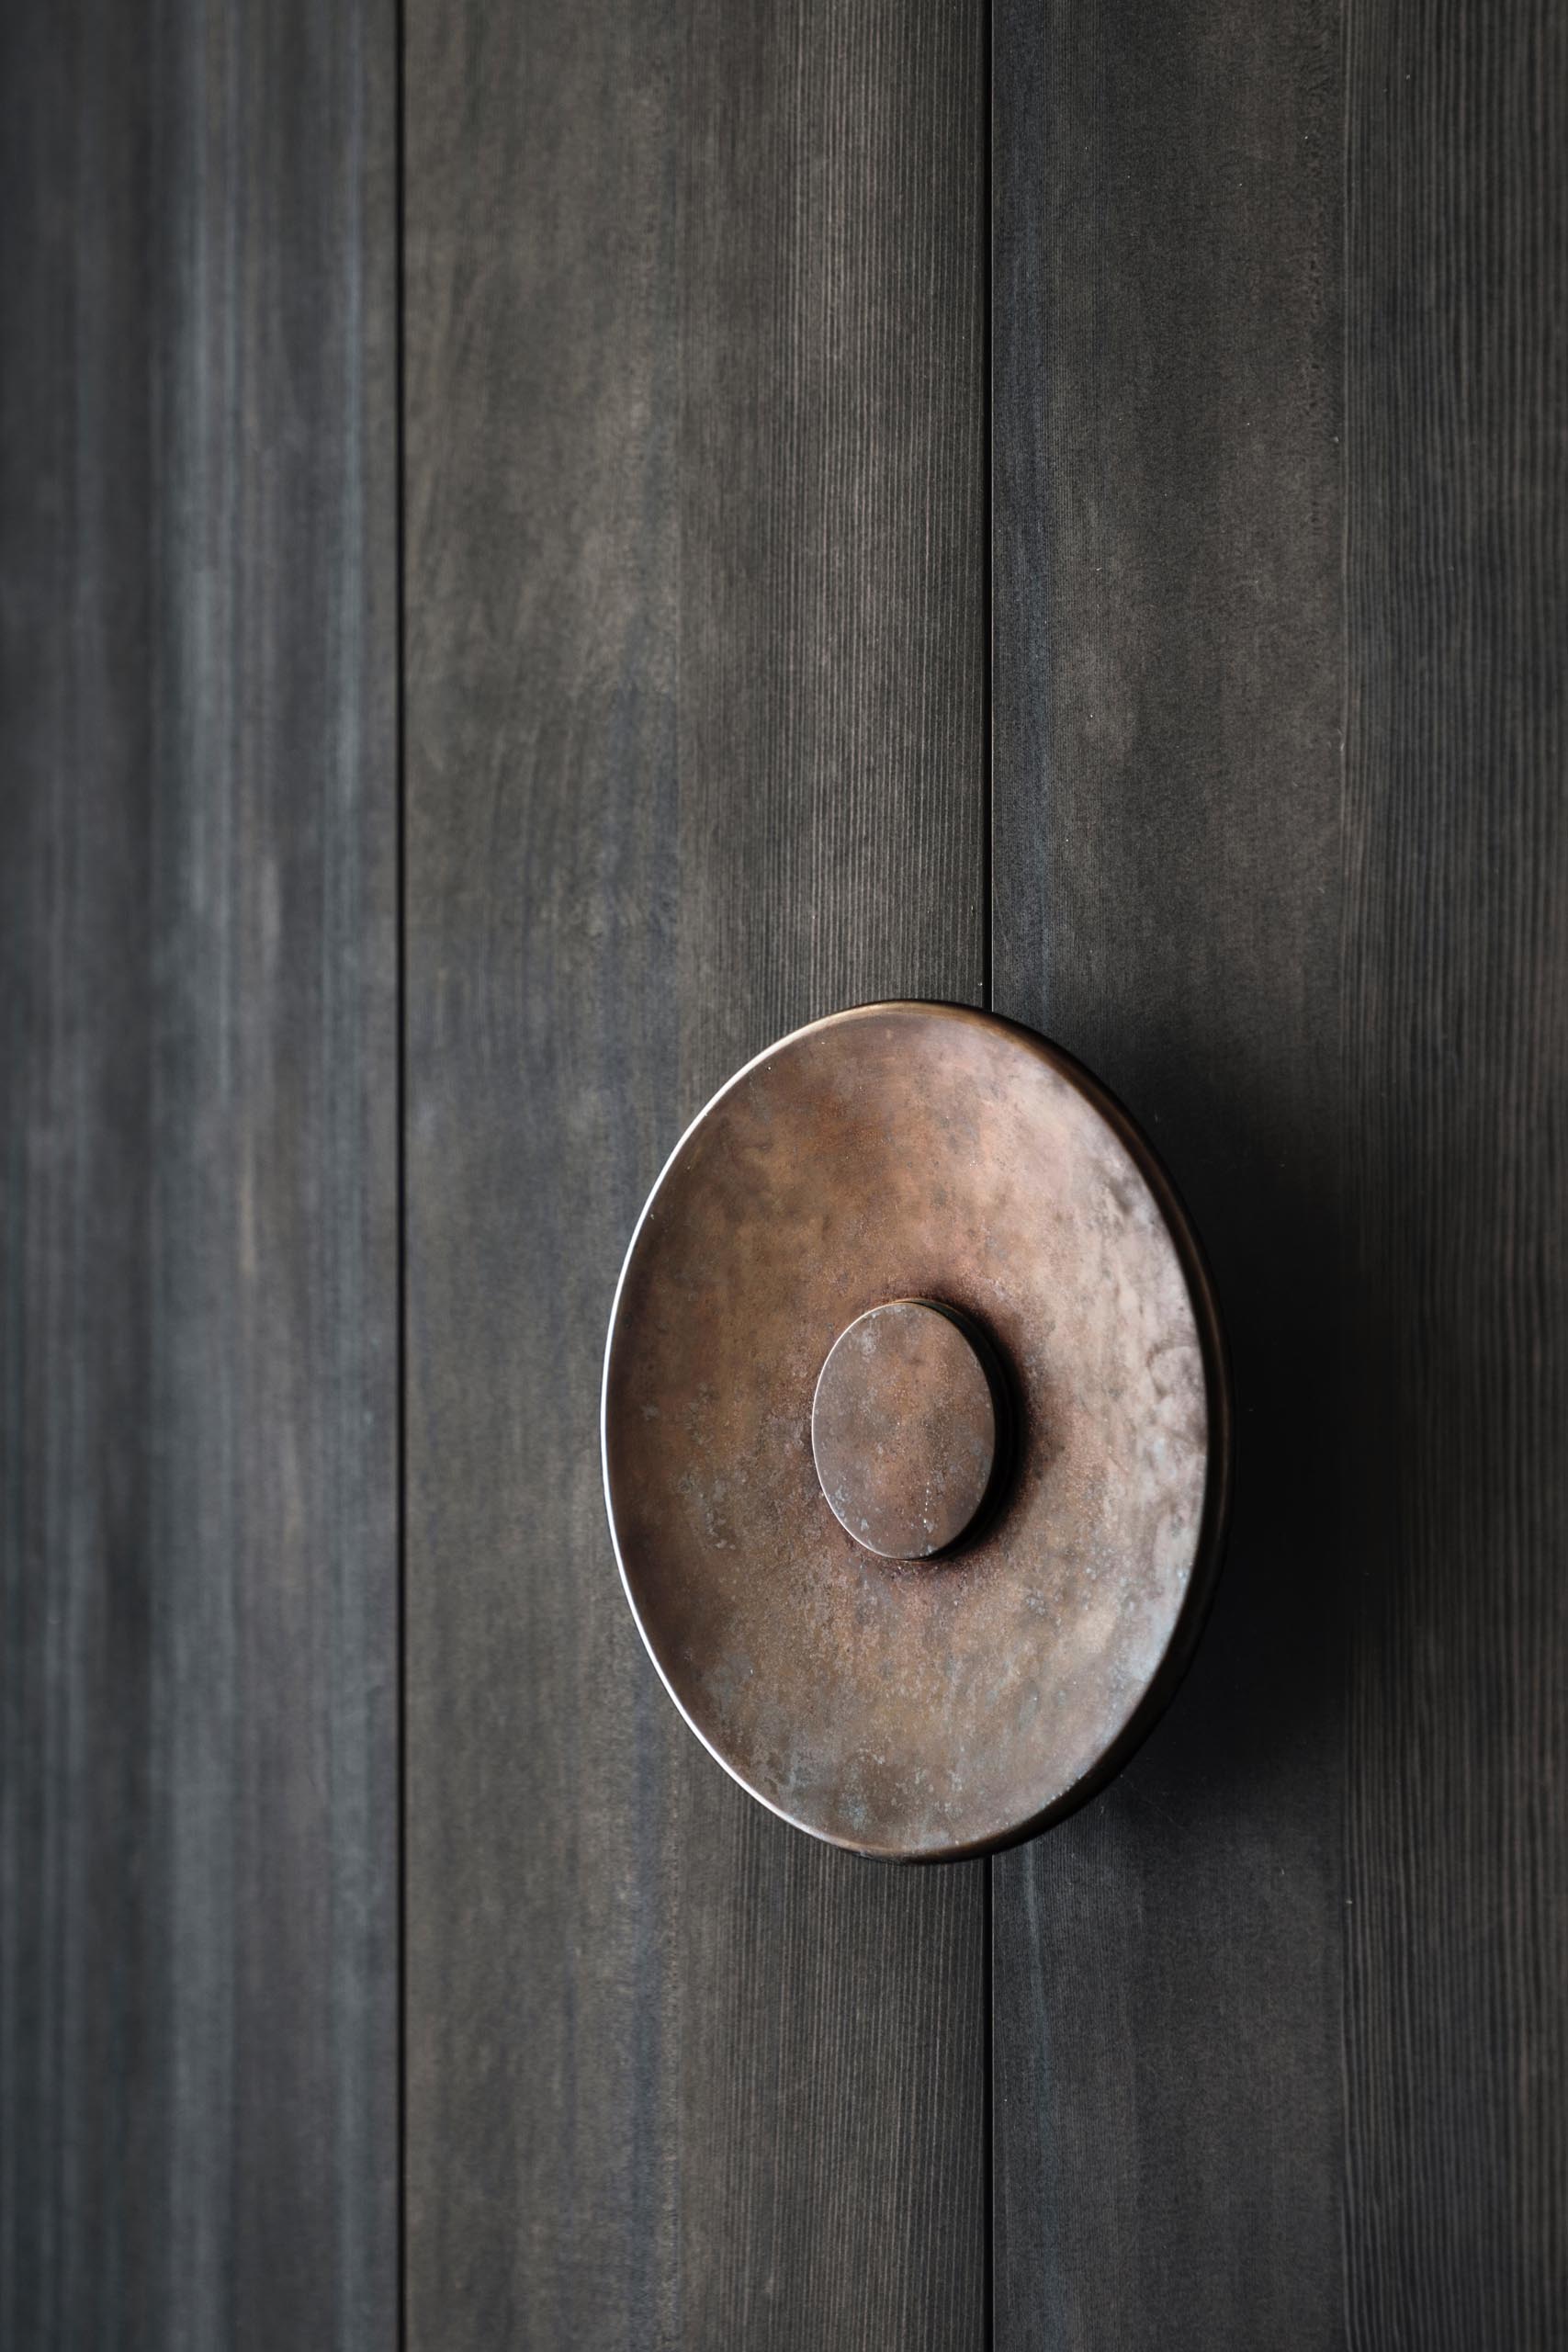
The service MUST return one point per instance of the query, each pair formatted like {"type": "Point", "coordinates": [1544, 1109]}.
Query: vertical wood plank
{"type": "Point", "coordinates": [696, 738]}
{"type": "Point", "coordinates": [544, 1854]}
{"type": "Point", "coordinates": [1372, 983]}
{"type": "Point", "coordinates": [833, 749]}
{"type": "Point", "coordinates": [832, 709]}
{"type": "Point", "coordinates": [1168, 679]}
{"type": "Point", "coordinates": [1456, 1092]}
{"type": "Point", "coordinates": [198, 1823]}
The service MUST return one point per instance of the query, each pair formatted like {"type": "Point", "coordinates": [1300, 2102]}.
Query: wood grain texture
{"type": "Point", "coordinates": [831, 731]}
{"type": "Point", "coordinates": [1168, 681]}
{"type": "Point", "coordinates": [542, 869]}
{"type": "Point", "coordinates": [1455, 1115]}
{"type": "Point", "coordinates": [833, 712]}
{"type": "Point", "coordinates": [1282, 2025]}
{"type": "Point", "coordinates": [198, 1810]}
{"type": "Point", "coordinates": [695, 674]}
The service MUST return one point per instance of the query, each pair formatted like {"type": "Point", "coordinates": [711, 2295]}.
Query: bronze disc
{"type": "Point", "coordinates": [923, 1157]}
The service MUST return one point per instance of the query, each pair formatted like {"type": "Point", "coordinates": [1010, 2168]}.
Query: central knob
{"type": "Point", "coordinates": [905, 1428]}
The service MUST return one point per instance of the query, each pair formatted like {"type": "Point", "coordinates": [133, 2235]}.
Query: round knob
{"type": "Point", "coordinates": [903, 1428]}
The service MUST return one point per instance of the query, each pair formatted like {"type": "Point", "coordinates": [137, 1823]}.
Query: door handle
{"type": "Point", "coordinates": [916, 1431]}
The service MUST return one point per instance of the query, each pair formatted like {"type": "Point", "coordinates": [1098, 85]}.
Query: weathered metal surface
{"type": "Point", "coordinates": [927, 1709]}
{"type": "Point", "coordinates": [903, 1428]}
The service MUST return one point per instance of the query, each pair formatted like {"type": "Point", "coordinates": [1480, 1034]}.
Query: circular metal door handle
{"type": "Point", "coordinates": [916, 1431]}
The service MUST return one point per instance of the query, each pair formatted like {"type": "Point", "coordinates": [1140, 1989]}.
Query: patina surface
{"type": "Point", "coordinates": [915, 1152]}
{"type": "Point", "coordinates": [905, 1428]}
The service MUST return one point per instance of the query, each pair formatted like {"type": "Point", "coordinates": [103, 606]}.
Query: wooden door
{"type": "Point", "coordinates": [545, 545]}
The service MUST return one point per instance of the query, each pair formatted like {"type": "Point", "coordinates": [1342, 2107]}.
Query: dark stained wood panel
{"type": "Point", "coordinates": [1282, 2023]}
{"type": "Point", "coordinates": [543, 1854]}
{"type": "Point", "coordinates": [1168, 681]}
{"type": "Point", "coordinates": [832, 754]}
{"type": "Point", "coordinates": [1456, 1120]}
{"type": "Point", "coordinates": [832, 710]}
{"type": "Point", "coordinates": [696, 732]}
{"type": "Point", "coordinates": [197, 1757]}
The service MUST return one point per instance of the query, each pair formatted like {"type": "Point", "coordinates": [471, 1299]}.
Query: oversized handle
{"type": "Point", "coordinates": [916, 1431]}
